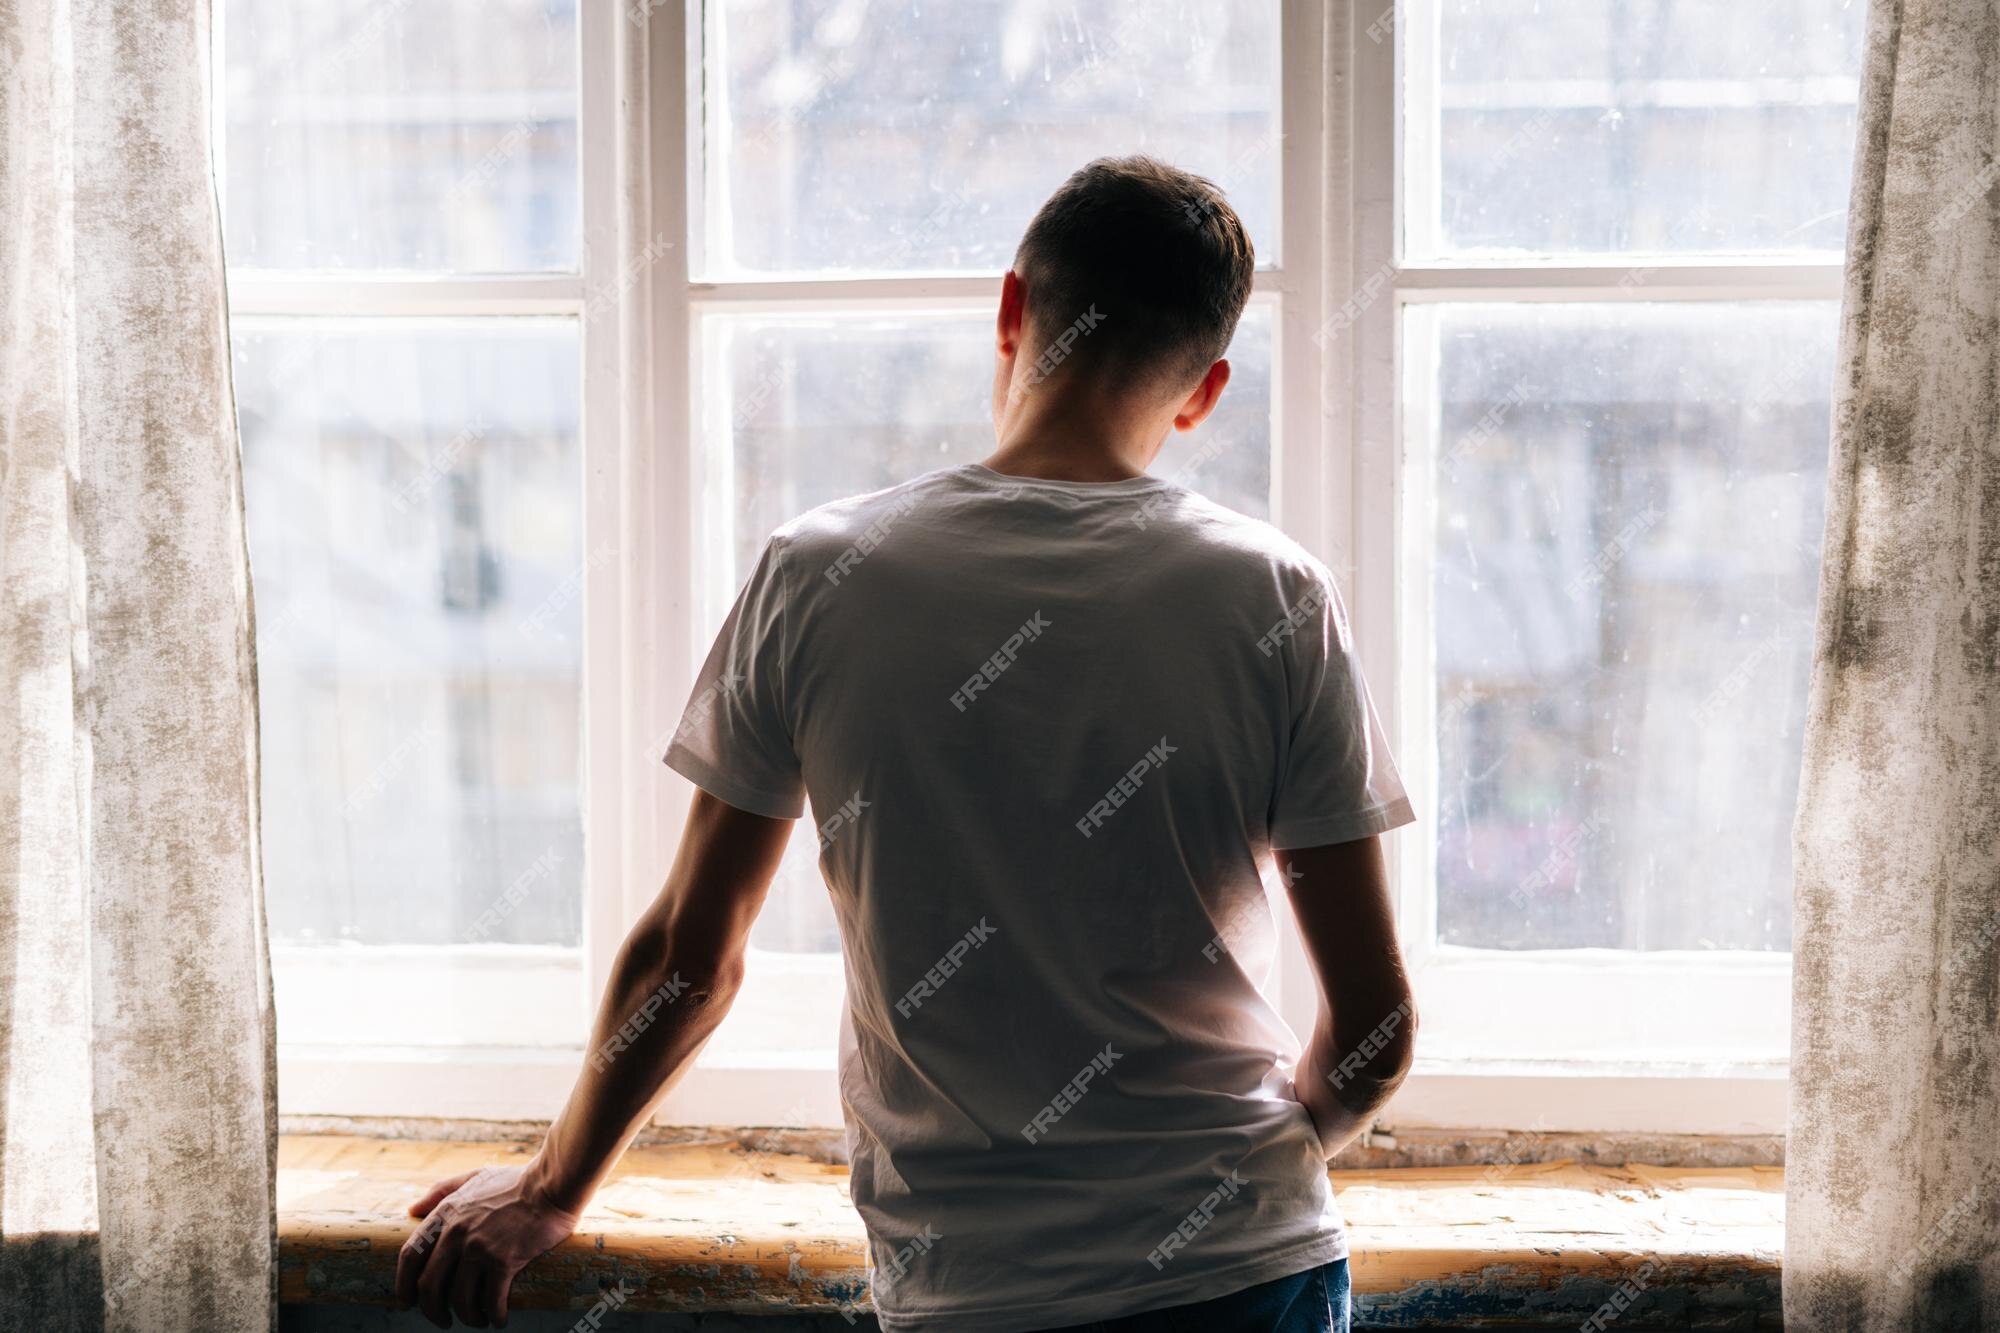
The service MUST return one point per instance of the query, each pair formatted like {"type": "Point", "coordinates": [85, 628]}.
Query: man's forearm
{"type": "Point", "coordinates": [657, 1012]}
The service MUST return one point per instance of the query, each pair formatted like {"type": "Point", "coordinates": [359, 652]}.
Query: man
{"type": "Point", "coordinates": [1053, 716]}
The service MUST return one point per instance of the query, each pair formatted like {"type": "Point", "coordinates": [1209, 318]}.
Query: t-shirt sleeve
{"type": "Point", "coordinates": [735, 739]}
{"type": "Point", "coordinates": [1337, 781]}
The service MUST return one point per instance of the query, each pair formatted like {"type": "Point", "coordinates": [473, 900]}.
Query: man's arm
{"type": "Point", "coordinates": [673, 981]}
{"type": "Point", "coordinates": [1365, 1036]}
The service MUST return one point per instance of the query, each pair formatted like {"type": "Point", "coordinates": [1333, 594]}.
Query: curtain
{"type": "Point", "coordinates": [137, 1112]}
{"type": "Point", "coordinates": [1893, 1204]}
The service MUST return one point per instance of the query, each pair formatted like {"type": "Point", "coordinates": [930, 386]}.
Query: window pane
{"type": "Point", "coordinates": [895, 135]}
{"type": "Point", "coordinates": [808, 409]}
{"type": "Point", "coordinates": [1632, 125]}
{"type": "Point", "coordinates": [378, 134]}
{"type": "Point", "coordinates": [413, 492]}
{"type": "Point", "coordinates": [1628, 511]}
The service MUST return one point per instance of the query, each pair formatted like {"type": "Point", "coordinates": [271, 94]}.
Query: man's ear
{"type": "Point", "coordinates": [1013, 313]}
{"type": "Point", "coordinates": [1202, 401]}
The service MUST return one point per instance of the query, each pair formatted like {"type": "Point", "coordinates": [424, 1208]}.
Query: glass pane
{"type": "Point", "coordinates": [1632, 125]}
{"type": "Point", "coordinates": [1629, 501]}
{"type": "Point", "coordinates": [895, 135]}
{"type": "Point", "coordinates": [805, 410]}
{"type": "Point", "coordinates": [414, 500]}
{"type": "Point", "coordinates": [378, 134]}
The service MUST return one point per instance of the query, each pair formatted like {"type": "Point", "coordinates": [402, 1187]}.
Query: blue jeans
{"type": "Point", "coordinates": [1315, 1301]}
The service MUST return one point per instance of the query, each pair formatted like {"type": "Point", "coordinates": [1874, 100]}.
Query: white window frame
{"type": "Point", "coordinates": [1670, 1041]}
{"type": "Point", "coordinates": [1341, 485]}
{"type": "Point", "coordinates": [797, 1087]}
{"type": "Point", "coordinates": [332, 1000]}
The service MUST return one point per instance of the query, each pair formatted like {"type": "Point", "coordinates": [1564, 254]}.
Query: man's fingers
{"type": "Point", "coordinates": [434, 1287]}
{"type": "Point", "coordinates": [468, 1284]}
{"type": "Point", "coordinates": [438, 1194]}
{"type": "Point", "coordinates": [410, 1262]}
{"type": "Point", "coordinates": [497, 1278]}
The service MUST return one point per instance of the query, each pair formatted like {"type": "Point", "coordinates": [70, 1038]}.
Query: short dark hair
{"type": "Point", "coordinates": [1157, 251]}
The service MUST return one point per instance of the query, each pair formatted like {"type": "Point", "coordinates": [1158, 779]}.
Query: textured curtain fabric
{"type": "Point", "coordinates": [137, 1115]}
{"type": "Point", "coordinates": [1893, 1202]}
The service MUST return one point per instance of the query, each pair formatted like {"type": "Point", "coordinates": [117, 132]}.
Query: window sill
{"type": "Point", "coordinates": [710, 1227]}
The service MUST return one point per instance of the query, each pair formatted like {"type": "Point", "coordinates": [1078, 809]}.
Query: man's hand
{"type": "Point", "coordinates": [670, 985]}
{"type": "Point", "coordinates": [480, 1229]}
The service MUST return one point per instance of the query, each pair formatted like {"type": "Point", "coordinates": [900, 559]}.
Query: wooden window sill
{"type": "Point", "coordinates": [712, 1227]}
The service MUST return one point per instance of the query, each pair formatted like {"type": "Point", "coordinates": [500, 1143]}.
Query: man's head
{"type": "Point", "coordinates": [1132, 276]}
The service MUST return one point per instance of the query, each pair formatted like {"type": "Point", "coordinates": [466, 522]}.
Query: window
{"type": "Point", "coordinates": [403, 204]}
{"type": "Point", "coordinates": [547, 313]}
{"type": "Point", "coordinates": [1607, 362]}
{"type": "Point", "coordinates": [862, 175]}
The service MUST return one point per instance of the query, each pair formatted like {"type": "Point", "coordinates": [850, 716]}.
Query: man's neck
{"type": "Point", "coordinates": [1060, 435]}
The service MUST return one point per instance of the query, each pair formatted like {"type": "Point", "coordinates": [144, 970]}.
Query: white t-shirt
{"type": "Point", "coordinates": [1050, 731]}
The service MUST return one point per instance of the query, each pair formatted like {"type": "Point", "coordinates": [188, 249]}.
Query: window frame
{"type": "Point", "coordinates": [323, 1073]}
{"type": "Point", "coordinates": [1291, 290]}
{"type": "Point", "coordinates": [1616, 1065]}
{"type": "Point", "coordinates": [1341, 484]}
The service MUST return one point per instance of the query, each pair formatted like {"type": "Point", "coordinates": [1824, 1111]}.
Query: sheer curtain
{"type": "Point", "coordinates": [137, 1114]}
{"type": "Point", "coordinates": [1893, 1207]}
